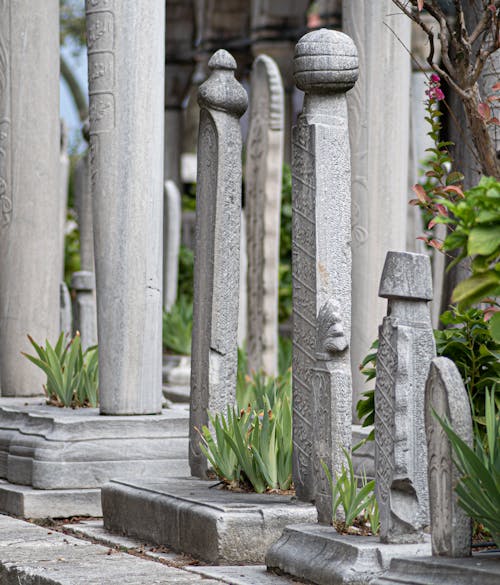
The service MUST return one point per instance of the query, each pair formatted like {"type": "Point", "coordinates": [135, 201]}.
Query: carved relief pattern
{"type": "Point", "coordinates": [5, 120]}
{"type": "Point", "coordinates": [101, 64]}
{"type": "Point", "coordinates": [304, 305]}
{"type": "Point", "coordinates": [387, 361]}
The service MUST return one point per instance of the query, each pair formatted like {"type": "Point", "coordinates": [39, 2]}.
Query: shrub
{"type": "Point", "coordinates": [178, 327]}
{"type": "Point", "coordinates": [72, 375]}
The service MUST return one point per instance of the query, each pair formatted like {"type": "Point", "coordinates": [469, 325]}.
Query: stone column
{"type": "Point", "coordinates": [379, 131]}
{"type": "Point", "coordinates": [172, 218]}
{"type": "Point", "coordinates": [264, 165]}
{"type": "Point", "coordinates": [445, 394]}
{"type": "Point", "coordinates": [30, 205]}
{"type": "Point", "coordinates": [326, 66]}
{"type": "Point", "coordinates": [83, 281]}
{"type": "Point", "coordinates": [214, 355]}
{"type": "Point", "coordinates": [126, 81]}
{"type": "Point", "coordinates": [406, 348]}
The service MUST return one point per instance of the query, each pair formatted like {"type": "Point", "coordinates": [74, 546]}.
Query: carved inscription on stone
{"type": "Point", "coordinates": [5, 117]}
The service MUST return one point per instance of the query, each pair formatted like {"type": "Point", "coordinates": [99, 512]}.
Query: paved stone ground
{"type": "Point", "coordinates": [35, 555]}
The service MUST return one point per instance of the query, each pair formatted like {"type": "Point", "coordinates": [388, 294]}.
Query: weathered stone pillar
{"type": "Point", "coordinates": [172, 219]}
{"type": "Point", "coordinates": [326, 66]}
{"type": "Point", "coordinates": [263, 207]}
{"type": "Point", "coordinates": [445, 395]}
{"type": "Point", "coordinates": [406, 348]}
{"type": "Point", "coordinates": [126, 81]}
{"type": "Point", "coordinates": [379, 133]}
{"type": "Point", "coordinates": [30, 205]}
{"type": "Point", "coordinates": [214, 355]}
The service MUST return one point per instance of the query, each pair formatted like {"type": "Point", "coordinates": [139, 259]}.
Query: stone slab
{"type": "Point", "coordinates": [60, 448]}
{"type": "Point", "coordinates": [318, 554]}
{"type": "Point", "coordinates": [193, 517]}
{"type": "Point", "coordinates": [32, 555]}
{"type": "Point", "coordinates": [249, 575]}
{"type": "Point", "coordinates": [480, 569]}
{"type": "Point", "coordinates": [26, 502]}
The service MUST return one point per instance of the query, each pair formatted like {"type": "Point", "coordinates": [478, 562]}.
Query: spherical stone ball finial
{"type": "Point", "coordinates": [222, 59]}
{"type": "Point", "coordinates": [221, 91]}
{"type": "Point", "coordinates": [326, 61]}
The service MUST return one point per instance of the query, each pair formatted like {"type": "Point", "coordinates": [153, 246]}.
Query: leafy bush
{"type": "Point", "coordinates": [253, 445]}
{"type": "Point", "coordinates": [186, 271]}
{"type": "Point", "coordinates": [365, 407]}
{"type": "Point", "coordinates": [478, 489]}
{"type": "Point", "coordinates": [178, 327]}
{"type": "Point", "coordinates": [72, 375]}
{"type": "Point", "coordinates": [357, 503]}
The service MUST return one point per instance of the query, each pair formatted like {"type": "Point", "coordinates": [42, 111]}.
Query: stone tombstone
{"type": "Point", "coordinates": [445, 394]}
{"type": "Point", "coordinates": [65, 316]}
{"type": "Point", "coordinates": [30, 205]}
{"type": "Point", "coordinates": [83, 283]}
{"type": "Point", "coordinates": [379, 115]}
{"type": "Point", "coordinates": [126, 68]}
{"type": "Point", "coordinates": [263, 174]}
{"type": "Point", "coordinates": [326, 66]}
{"type": "Point", "coordinates": [172, 219]}
{"type": "Point", "coordinates": [214, 354]}
{"type": "Point", "coordinates": [63, 186]}
{"type": "Point", "coordinates": [83, 204]}
{"type": "Point", "coordinates": [406, 348]}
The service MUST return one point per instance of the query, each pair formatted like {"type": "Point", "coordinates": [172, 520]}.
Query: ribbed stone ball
{"type": "Point", "coordinates": [325, 61]}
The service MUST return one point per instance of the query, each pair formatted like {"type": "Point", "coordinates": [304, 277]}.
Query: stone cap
{"type": "Point", "coordinates": [221, 91]}
{"type": "Point", "coordinates": [326, 61]}
{"type": "Point", "coordinates": [406, 276]}
{"type": "Point", "coordinates": [83, 280]}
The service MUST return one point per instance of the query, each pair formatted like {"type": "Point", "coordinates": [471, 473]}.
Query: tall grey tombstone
{"type": "Point", "coordinates": [263, 174]}
{"type": "Point", "coordinates": [379, 115]}
{"type": "Point", "coordinates": [445, 394]}
{"type": "Point", "coordinates": [66, 316]}
{"type": "Point", "coordinates": [214, 355]}
{"type": "Point", "coordinates": [126, 62]}
{"type": "Point", "coordinates": [172, 219]}
{"type": "Point", "coordinates": [243, 296]}
{"type": "Point", "coordinates": [30, 206]}
{"type": "Point", "coordinates": [63, 186]}
{"type": "Point", "coordinates": [326, 66]}
{"type": "Point", "coordinates": [83, 281]}
{"type": "Point", "coordinates": [406, 348]}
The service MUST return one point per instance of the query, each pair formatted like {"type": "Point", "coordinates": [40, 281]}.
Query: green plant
{"type": "Point", "coordinates": [352, 499]}
{"type": "Point", "coordinates": [178, 327]}
{"type": "Point", "coordinates": [285, 267]}
{"type": "Point", "coordinates": [478, 489]}
{"type": "Point", "coordinates": [72, 375]}
{"type": "Point", "coordinates": [258, 435]}
{"type": "Point", "coordinates": [186, 272]}
{"type": "Point", "coordinates": [365, 407]}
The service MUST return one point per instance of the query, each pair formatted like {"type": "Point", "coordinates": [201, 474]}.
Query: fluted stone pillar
{"type": "Point", "coordinates": [30, 202]}
{"type": "Point", "coordinates": [326, 66]}
{"type": "Point", "coordinates": [214, 356]}
{"type": "Point", "coordinates": [379, 133]}
{"type": "Point", "coordinates": [126, 82]}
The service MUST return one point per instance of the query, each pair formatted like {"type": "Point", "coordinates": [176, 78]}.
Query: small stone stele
{"type": "Point", "coordinates": [445, 395]}
{"type": "Point", "coordinates": [406, 348]}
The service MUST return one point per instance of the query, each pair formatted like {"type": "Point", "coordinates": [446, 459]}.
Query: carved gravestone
{"type": "Point", "coordinates": [264, 165]}
{"type": "Point", "coordinates": [214, 355]}
{"type": "Point", "coordinates": [406, 348]}
{"type": "Point", "coordinates": [83, 282]}
{"type": "Point", "coordinates": [325, 68]}
{"type": "Point", "coordinates": [445, 394]}
{"type": "Point", "coordinates": [172, 241]}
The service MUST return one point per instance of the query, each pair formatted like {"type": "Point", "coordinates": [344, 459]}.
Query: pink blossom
{"type": "Point", "coordinates": [435, 78]}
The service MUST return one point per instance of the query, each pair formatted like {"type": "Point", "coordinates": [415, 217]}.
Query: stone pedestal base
{"type": "Point", "coordinates": [480, 569]}
{"type": "Point", "coordinates": [49, 448]}
{"type": "Point", "coordinates": [318, 554]}
{"type": "Point", "coordinates": [194, 517]}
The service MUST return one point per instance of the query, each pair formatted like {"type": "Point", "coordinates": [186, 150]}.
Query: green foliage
{"type": "Point", "coordinates": [254, 447]}
{"type": "Point", "coordinates": [178, 327]}
{"type": "Point", "coordinates": [72, 22]}
{"type": "Point", "coordinates": [72, 375]}
{"type": "Point", "coordinates": [285, 268]}
{"type": "Point", "coordinates": [365, 407]}
{"type": "Point", "coordinates": [186, 271]}
{"type": "Point", "coordinates": [468, 343]}
{"type": "Point", "coordinates": [354, 501]}
{"type": "Point", "coordinates": [478, 489]}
